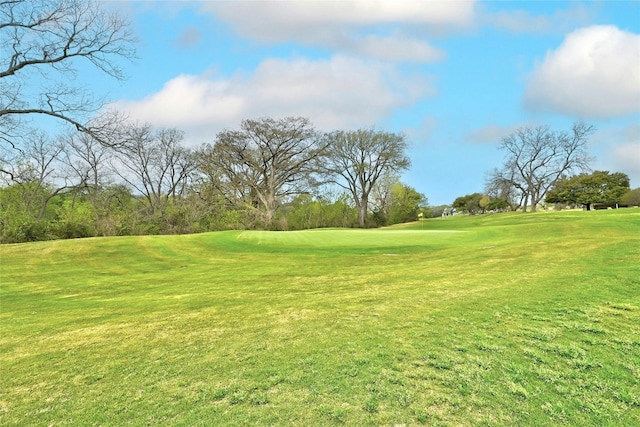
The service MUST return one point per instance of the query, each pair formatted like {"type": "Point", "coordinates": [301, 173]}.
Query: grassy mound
{"type": "Point", "coordinates": [505, 319]}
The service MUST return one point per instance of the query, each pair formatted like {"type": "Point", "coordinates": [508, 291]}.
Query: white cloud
{"type": "Point", "coordinates": [626, 157]}
{"type": "Point", "coordinates": [618, 150]}
{"type": "Point", "coordinates": [396, 49]}
{"type": "Point", "coordinates": [290, 16]}
{"type": "Point", "coordinates": [595, 73]}
{"type": "Point", "coordinates": [348, 26]}
{"type": "Point", "coordinates": [522, 21]}
{"type": "Point", "coordinates": [338, 93]}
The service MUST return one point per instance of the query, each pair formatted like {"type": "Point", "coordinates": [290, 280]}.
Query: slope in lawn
{"type": "Point", "coordinates": [492, 320]}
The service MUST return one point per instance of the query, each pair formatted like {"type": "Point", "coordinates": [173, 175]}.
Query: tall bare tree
{"type": "Point", "coordinates": [267, 160]}
{"type": "Point", "coordinates": [357, 160]}
{"type": "Point", "coordinates": [155, 164]}
{"type": "Point", "coordinates": [88, 160]}
{"type": "Point", "coordinates": [536, 157]}
{"type": "Point", "coordinates": [42, 45]}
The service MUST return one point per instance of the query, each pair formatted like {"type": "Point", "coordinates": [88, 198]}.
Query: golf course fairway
{"type": "Point", "coordinates": [503, 319]}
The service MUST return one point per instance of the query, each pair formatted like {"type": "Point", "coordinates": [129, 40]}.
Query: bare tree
{"type": "Point", "coordinates": [88, 160]}
{"type": "Point", "coordinates": [501, 185]}
{"type": "Point", "coordinates": [356, 160]}
{"type": "Point", "coordinates": [537, 157]}
{"type": "Point", "coordinates": [267, 160]}
{"type": "Point", "coordinates": [211, 184]}
{"type": "Point", "coordinates": [42, 43]}
{"type": "Point", "coordinates": [177, 160]}
{"type": "Point", "coordinates": [40, 174]}
{"type": "Point", "coordinates": [154, 164]}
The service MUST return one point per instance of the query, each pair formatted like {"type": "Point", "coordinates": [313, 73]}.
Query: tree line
{"type": "Point", "coordinates": [277, 174]}
{"type": "Point", "coordinates": [544, 166]}
{"type": "Point", "coordinates": [109, 176]}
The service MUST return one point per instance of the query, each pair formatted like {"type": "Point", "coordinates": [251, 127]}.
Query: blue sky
{"type": "Point", "coordinates": [454, 76]}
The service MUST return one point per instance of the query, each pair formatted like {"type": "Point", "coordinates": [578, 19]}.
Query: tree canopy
{"type": "Point", "coordinates": [265, 161]}
{"type": "Point", "coordinates": [405, 203]}
{"type": "Point", "coordinates": [356, 160]}
{"type": "Point", "coordinates": [587, 189]}
{"type": "Point", "coordinates": [631, 197]}
{"type": "Point", "coordinates": [469, 203]}
{"type": "Point", "coordinates": [537, 157]}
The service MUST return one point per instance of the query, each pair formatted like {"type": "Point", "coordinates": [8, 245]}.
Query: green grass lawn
{"type": "Point", "coordinates": [509, 319]}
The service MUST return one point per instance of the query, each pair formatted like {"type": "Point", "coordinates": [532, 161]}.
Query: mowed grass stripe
{"type": "Point", "coordinates": [520, 320]}
{"type": "Point", "coordinates": [356, 239]}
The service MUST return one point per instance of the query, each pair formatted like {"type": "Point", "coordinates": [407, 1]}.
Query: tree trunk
{"type": "Point", "coordinates": [268, 218]}
{"type": "Point", "coordinates": [362, 211]}
{"type": "Point", "coordinates": [270, 206]}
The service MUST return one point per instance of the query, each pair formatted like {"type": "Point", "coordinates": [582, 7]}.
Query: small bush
{"type": "Point", "coordinates": [73, 230]}
{"type": "Point", "coordinates": [30, 230]}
